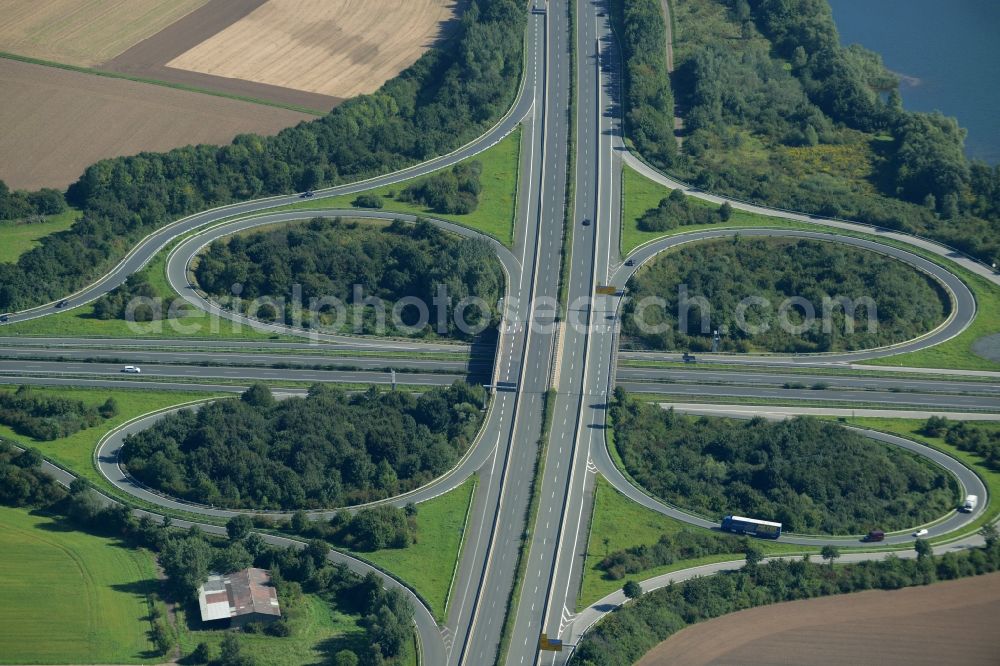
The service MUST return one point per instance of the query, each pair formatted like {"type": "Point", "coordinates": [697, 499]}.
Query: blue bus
{"type": "Point", "coordinates": [764, 529]}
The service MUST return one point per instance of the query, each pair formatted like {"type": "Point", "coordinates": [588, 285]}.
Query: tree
{"type": "Point", "coordinates": [923, 548]}
{"type": "Point", "coordinates": [317, 549]}
{"type": "Point", "coordinates": [632, 589]}
{"type": "Point", "coordinates": [202, 654]}
{"type": "Point", "coordinates": [830, 553]}
{"type": "Point", "coordinates": [28, 459]}
{"type": "Point", "coordinates": [753, 553]}
{"type": "Point", "coordinates": [231, 652]}
{"type": "Point", "coordinates": [725, 211]}
{"type": "Point", "coordinates": [186, 561]}
{"type": "Point", "coordinates": [990, 534]}
{"type": "Point", "coordinates": [258, 395]}
{"type": "Point", "coordinates": [300, 521]}
{"type": "Point", "coordinates": [345, 658]}
{"type": "Point", "coordinates": [109, 408]}
{"type": "Point", "coordinates": [239, 526]}
{"type": "Point", "coordinates": [233, 557]}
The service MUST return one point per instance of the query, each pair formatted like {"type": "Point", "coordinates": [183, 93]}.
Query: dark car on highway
{"type": "Point", "coordinates": [874, 535]}
{"type": "Point", "coordinates": [4, 319]}
{"type": "Point", "coordinates": [306, 194]}
{"type": "Point", "coordinates": [62, 304]}
{"type": "Point", "coordinates": [585, 222]}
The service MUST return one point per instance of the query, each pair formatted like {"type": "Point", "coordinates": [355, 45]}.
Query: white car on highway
{"type": "Point", "coordinates": [920, 533]}
{"type": "Point", "coordinates": [132, 369]}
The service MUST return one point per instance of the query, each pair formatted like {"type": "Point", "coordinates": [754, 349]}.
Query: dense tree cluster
{"type": "Point", "coordinates": [22, 205]}
{"type": "Point", "coordinates": [775, 110]}
{"type": "Point", "coordinates": [632, 630]}
{"type": "Point", "coordinates": [368, 201]}
{"type": "Point", "coordinates": [904, 302]}
{"type": "Point", "coordinates": [368, 529]}
{"type": "Point", "coordinates": [967, 436]}
{"type": "Point", "coordinates": [450, 95]}
{"type": "Point", "coordinates": [328, 449]}
{"type": "Point", "coordinates": [677, 211]}
{"type": "Point", "coordinates": [813, 476]}
{"type": "Point", "coordinates": [685, 544]}
{"type": "Point", "coordinates": [454, 192]}
{"type": "Point", "coordinates": [45, 418]}
{"type": "Point", "coordinates": [133, 300]}
{"type": "Point", "coordinates": [22, 481]}
{"type": "Point", "coordinates": [330, 258]}
{"type": "Point", "coordinates": [649, 118]}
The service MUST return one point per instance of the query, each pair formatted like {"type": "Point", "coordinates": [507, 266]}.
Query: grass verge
{"type": "Point", "coordinates": [69, 597]}
{"type": "Point", "coordinates": [619, 523]}
{"type": "Point", "coordinates": [429, 564]}
{"type": "Point", "coordinates": [495, 214]}
{"type": "Point", "coordinates": [639, 194]}
{"type": "Point", "coordinates": [20, 237]}
{"type": "Point", "coordinates": [957, 353]}
{"type": "Point", "coordinates": [76, 452]}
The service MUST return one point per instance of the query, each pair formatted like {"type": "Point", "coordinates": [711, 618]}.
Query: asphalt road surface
{"type": "Point", "coordinates": [533, 353]}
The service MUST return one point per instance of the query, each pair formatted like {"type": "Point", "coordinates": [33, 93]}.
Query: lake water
{"type": "Point", "coordinates": [946, 53]}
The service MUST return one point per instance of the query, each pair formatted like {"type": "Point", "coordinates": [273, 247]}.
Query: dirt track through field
{"type": "Point", "coordinates": [954, 622]}
{"type": "Point", "coordinates": [58, 122]}
{"type": "Point", "coordinates": [149, 58]}
{"type": "Point", "coordinates": [340, 48]}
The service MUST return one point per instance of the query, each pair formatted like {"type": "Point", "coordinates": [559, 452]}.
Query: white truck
{"type": "Point", "coordinates": [971, 501]}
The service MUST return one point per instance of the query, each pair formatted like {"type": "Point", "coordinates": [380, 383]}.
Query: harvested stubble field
{"type": "Point", "coordinates": [339, 48]}
{"type": "Point", "coordinates": [945, 623]}
{"type": "Point", "coordinates": [84, 33]}
{"type": "Point", "coordinates": [57, 122]}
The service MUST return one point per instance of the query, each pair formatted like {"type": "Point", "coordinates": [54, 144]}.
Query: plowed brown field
{"type": "Point", "coordinates": [945, 623]}
{"type": "Point", "coordinates": [339, 48]}
{"type": "Point", "coordinates": [84, 33]}
{"type": "Point", "coordinates": [57, 122]}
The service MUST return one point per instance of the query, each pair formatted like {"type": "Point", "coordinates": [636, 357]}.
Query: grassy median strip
{"type": "Point", "coordinates": [569, 204]}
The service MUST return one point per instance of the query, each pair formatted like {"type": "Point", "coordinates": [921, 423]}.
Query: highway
{"type": "Point", "coordinates": [963, 309]}
{"type": "Point", "coordinates": [758, 378]}
{"type": "Point", "coordinates": [537, 349]}
{"type": "Point", "coordinates": [180, 258]}
{"type": "Point", "coordinates": [315, 360]}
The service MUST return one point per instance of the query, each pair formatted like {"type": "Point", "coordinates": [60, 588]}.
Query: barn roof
{"type": "Point", "coordinates": [238, 593]}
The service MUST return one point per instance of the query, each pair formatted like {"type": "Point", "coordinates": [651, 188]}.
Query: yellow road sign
{"type": "Point", "coordinates": [550, 645]}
